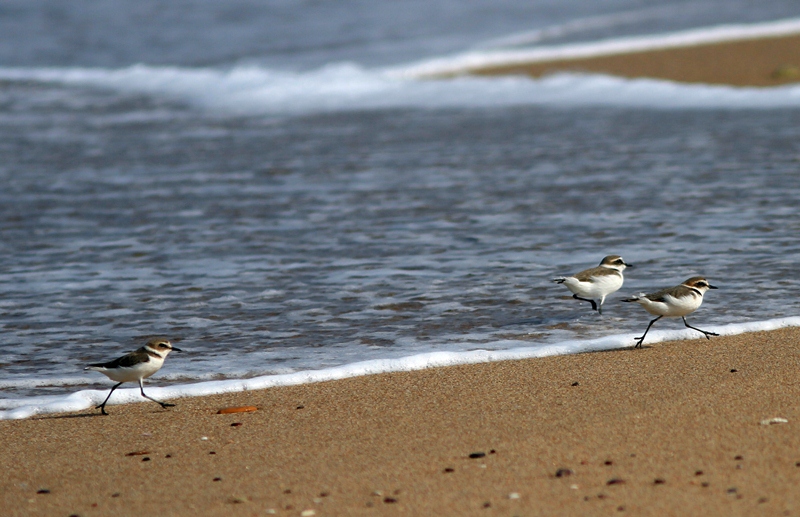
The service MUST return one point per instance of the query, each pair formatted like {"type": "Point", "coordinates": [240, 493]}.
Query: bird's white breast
{"type": "Point", "coordinates": [135, 372]}
{"type": "Point", "coordinates": [672, 306]}
{"type": "Point", "coordinates": [601, 286]}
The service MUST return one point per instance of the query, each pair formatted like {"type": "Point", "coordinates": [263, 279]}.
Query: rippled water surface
{"type": "Point", "coordinates": [274, 244]}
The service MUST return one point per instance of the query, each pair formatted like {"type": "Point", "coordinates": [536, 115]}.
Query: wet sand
{"type": "Point", "coordinates": [760, 62]}
{"type": "Point", "coordinates": [672, 429]}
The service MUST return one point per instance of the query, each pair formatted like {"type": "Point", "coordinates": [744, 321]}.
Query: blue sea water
{"type": "Point", "coordinates": [256, 181]}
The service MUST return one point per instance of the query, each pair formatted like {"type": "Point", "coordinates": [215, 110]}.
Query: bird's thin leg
{"type": "Point", "coordinates": [102, 407]}
{"type": "Point", "coordinates": [594, 305]}
{"type": "Point", "coordinates": [163, 404]}
{"type": "Point", "coordinates": [705, 332]}
{"type": "Point", "coordinates": [641, 339]}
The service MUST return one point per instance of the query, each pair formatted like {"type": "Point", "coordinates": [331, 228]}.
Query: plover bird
{"type": "Point", "coordinates": [674, 302]}
{"type": "Point", "coordinates": [596, 283]}
{"type": "Point", "coordinates": [136, 366]}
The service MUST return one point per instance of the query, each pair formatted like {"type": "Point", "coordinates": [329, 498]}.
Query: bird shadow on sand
{"type": "Point", "coordinates": [58, 417]}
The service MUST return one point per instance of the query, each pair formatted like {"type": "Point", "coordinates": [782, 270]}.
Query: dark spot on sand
{"type": "Point", "coordinates": [43, 491]}
{"type": "Point", "coordinates": [762, 500]}
{"type": "Point", "coordinates": [608, 462]}
{"type": "Point", "coordinates": [449, 469]}
{"type": "Point", "coordinates": [659, 481]}
{"type": "Point", "coordinates": [734, 370]}
{"type": "Point", "coordinates": [560, 473]}
{"type": "Point", "coordinates": [705, 484]}
{"type": "Point", "coordinates": [115, 494]}
{"type": "Point", "coordinates": [146, 458]}
{"type": "Point", "coordinates": [698, 472]}
{"type": "Point", "coordinates": [217, 479]}
{"type": "Point", "coordinates": [211, 452]}
{"type": "Point", "coordinates": [615, 481]}
{"type": "Point", "coordinates": [477, 455]}
{"type": "Point", "coordinates": [287, 491]}
{"type": "Point", "coordinates": [732, 490]}
{"type": "Point", "coordinates": [137, 453]}
{"type": "Point", "coordinates": [739, 457]}
{"type": "Point", "coordinates": [168, 456]}
{"type": "Point", "coordinates": [300, 407]}
{"type": "Point", "coordinates": [389, 500]}
{"type": "Point", "coordinates": [576, 383]}
{"type": "Point", "coordinates": [236, 424]}
{"type": "Point", "coordinates": [487, 504]}
{"type": "Point", "coordinates": [324, 494]}
{"type": "Point", "coordinates": [492, 451]}
{"type": "Point", "coordinates": [601, 496]}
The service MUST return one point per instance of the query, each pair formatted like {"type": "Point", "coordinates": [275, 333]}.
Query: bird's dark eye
{"type": "Point", "coordinates": [163, 345]}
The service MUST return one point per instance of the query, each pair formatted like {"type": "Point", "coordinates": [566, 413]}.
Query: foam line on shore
{"type": "Point", "coordinates": [252, 91]}
{"type": "Point", "coordinates": [86, 399]}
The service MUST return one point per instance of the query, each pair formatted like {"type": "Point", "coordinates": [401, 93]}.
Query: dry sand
{"type": "Point", "coordinates": [762, 62]}
{"type": "Point", "coordinates": [672, 429]}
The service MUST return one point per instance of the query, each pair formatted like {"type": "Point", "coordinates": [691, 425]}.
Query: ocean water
{"type": "Point", "coordinates": [269, 185]}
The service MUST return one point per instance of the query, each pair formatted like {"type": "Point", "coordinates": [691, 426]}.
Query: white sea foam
{"type": "Point", "coordinates": [26, 407]}
{"type": "Point", "coordinates": [347, 87]}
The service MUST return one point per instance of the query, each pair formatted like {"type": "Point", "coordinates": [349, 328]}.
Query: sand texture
{"type": "Point", "coordinates": [671, 429]}
{"type": "Point", "coordinates": [761, 62]}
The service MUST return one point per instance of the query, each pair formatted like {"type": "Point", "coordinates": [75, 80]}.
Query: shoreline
{"type": "Point", "coordinates": [763, 62]}
{"type": "Point", "coordinates": [670, 429]}
{"type": "Point", "coordinates": [87, 398]}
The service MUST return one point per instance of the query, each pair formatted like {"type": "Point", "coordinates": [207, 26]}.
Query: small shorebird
{"type": "Point", "coordinates": [136, 366]}
{"type": "Point", "coordinates": [674, 302]}
{"type": "Point", "coordinates": [597, 282]}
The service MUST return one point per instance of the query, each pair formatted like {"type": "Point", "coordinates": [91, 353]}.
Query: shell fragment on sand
{"type": "Point", "coordinates": [240, 409]}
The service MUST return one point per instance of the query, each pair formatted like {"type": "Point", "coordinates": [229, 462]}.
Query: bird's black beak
{"type": "Point", "coordinates": [628, 265]}
{"type": "Point", "coordinates": [712, 286]}
{"type": "Point", "coordinates": [176, 349]}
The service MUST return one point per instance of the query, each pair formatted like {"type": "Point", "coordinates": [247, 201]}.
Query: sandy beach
{"type": "Point", "coordinates": [672, 429]}
{"type": "Point", "coordinates": [676, 428]}
{"type": "Point", "coordinates": [758, 62]}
